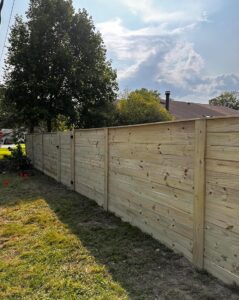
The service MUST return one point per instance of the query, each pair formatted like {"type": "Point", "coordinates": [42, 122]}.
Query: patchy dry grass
{"type": "Point", "coordinates": [56, 244]}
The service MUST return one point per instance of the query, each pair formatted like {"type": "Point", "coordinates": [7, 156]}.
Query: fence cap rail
{"type": "Point", "coordinates": [161, 123]}
{"type": "Point", "coordinates": [144, 124]}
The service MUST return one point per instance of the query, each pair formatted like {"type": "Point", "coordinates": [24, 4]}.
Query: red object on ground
{"type": "Point", "coordinates": [23, 174]}
{"type": "Point", "coordinates": [5, 183]}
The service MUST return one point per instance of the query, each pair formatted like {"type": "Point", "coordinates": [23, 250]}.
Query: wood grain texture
{"type": "Point", "coordinates": [59, 157]}
{"type": "Point", "coordinates": [177, 181]}
{"type": "Point", "coordinates": [222, 201]}
{"type": "Point", "coordinates": [199, 193]}
{"type": "Point", "coordinates": [65, 158]}
{"type": "Point", "coordinates": [151, 180]}
{"type": "Point", "coordinates": [90, 164]}
{"type": "Point", "coordinates": [37, 151]}
{"type": "Point", "coordinates": [50, 154]}
{"type": "Point", "coordinates": [106, 168]}
{"type": "Point", "coordinates": [73, 160]}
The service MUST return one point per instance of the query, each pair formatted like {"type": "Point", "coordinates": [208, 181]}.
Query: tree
{"type": "Point", "coordinates": [57, 65]}
{"type": "Point", "coordinates": [20, 103]}
{"type": "Point", "coordinates": [93, 82]}
{"type": "Point", "coordinates": [4, 117]}
{"type": "Point", "coordinates": [228, 99]}
{"type": "Point", "coordinates": [141, 106]}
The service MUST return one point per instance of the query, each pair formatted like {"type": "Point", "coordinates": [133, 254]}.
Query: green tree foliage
{"type": "Point", "coordinates": [2, 95]}
{"type": "Point", "coordinates": [57, 65]}
{"type": "Point", "coordinates": [5, 118]}
{"type": "Point", "coordinates": [228, 99]}
{"type": "Point", "coordinates": [20, 103]}
{"type": "Point", "coordinates": [93, 82]}
{"type": "Point", "coordinates": [141, 106]}
{"type": "Point", "coordinates": [61, 123]}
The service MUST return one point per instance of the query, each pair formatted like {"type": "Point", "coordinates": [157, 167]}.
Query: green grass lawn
{"type": "Point", "coordinates": [56, 244]}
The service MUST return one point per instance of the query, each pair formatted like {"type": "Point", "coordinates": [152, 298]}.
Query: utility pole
{"type": "Point", "coordinates": [1, 6]}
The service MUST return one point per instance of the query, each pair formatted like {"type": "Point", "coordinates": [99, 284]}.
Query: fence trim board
{"type": "Point", "coordinates": [199, 193]}
{"type": "Point", "coordinates": [59, 158]}
{"type": "Point", "coordinates": [72, 137]}
{"type": "Point", "coordinates": [106, 168]}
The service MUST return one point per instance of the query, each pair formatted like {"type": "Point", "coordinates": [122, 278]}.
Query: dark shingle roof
{"type": "Point", "coordinates": [190, 110]}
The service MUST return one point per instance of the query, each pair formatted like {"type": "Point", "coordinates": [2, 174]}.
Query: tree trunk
{"type": "Point", "coordinates": [49, 127]}
{"type": "Point", "coordinates": [31, 129]}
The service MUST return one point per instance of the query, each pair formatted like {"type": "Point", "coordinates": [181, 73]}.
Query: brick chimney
{"type": "Point", "coordinates": [167, 102]}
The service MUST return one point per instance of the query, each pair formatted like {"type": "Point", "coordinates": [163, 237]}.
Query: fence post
{"type": "Point", "coordinates": [73, 159]}
{"type": "Point", "coordinates": [32, 135]}
{"type": "Point", "coordinates": [42, 150]}
{"type": "Point", "coordinates": [58, 157]}
{"type": "Point", "coordinates": [199, 192]}
{"type": "Point", "coordinates": [106, 168]}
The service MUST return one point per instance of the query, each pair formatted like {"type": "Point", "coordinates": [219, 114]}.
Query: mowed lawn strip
{"type": "Point", "coordinates": [56, 244]}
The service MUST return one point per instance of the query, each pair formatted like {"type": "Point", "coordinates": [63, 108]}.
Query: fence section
{"type": "Point", "coordinates": [177, 181]}
{"type": "Point", "coordinates": [222, 199]}
{"type": "Point", "coordinates": [151, 180]}
{"type": "Point", "coordinates": [89, 164]}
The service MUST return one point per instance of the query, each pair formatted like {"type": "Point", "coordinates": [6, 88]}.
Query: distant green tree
{"type": "Point", "coordinates": [141, 106]}
{"type": "Point", "coordinates": [57, 65]}
{"type": "Point", "coordinates": [228, 99]}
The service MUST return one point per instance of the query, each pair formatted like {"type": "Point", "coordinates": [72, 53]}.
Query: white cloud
{"type": "Point", "coordinates": [158, 55]}
{"type": "Point", "coordinates": [132, 48]}
{"type": "Point", "coordinates": [180, 64]}
{"type": "Point", "coordinates": [149, 13]}
{"type": "Point", "coordinates": [214, 85]}
{"type": "Point", "coordinates": [183, 69]}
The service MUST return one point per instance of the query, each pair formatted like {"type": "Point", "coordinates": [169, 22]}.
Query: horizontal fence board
{"type": "Point", "coordinates": [223, 153]}
{"type": "Point", "coordinates": [152, 193]}
{"type": "Point", "coordinates": [168, 237]}
{"type": "Point", "coordinates": [222, 252]}
{"type": "Point", "coordinates": [87, 191]}
{"type": "Point", "coordinates": [228, 125]}
{"type": "Point", "coordinates": [225, 275]}
{"type": "Point", "coordinates": [151, 151]}
{"type": "Point", "coordinates": [226, 197]}
{"type": "Point", "coordinates": [223, 139]}
{"type": "Point", "coordinates": [223, 180]}
{"type": "Point", "coordinates": [159, 214]}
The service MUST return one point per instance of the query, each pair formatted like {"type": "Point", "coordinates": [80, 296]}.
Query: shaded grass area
{"type": "Point", "coordinates": [56, 244]}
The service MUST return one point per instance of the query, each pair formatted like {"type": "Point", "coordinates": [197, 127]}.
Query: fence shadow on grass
{"type": "Point", "coordinates": [144, 268]}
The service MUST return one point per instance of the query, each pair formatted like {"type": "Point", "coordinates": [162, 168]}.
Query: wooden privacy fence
{"type": "Point", "coordinates": [178, 181]}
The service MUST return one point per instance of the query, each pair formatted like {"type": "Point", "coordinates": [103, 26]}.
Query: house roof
{"type": "Point", "coordinates": [190, 110]}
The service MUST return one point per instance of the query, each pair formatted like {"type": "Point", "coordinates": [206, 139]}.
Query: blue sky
{"type": "Point", "coordinates": [189, 46]}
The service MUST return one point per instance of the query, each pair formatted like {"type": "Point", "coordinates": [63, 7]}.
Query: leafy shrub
{"type": "Point", "coordinates": [17, 161]}
{"type": "Point", "coordinates": [141, 106]}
